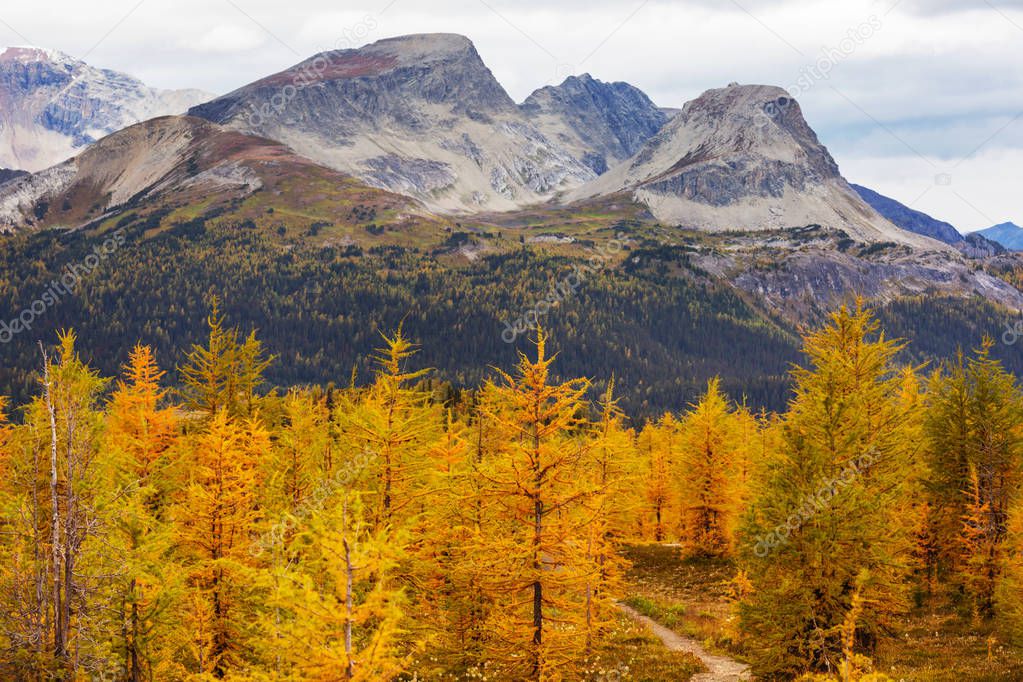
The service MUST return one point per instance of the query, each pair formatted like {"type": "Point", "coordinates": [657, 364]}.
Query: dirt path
{"type": "Point", "coordinates": [719, 668]}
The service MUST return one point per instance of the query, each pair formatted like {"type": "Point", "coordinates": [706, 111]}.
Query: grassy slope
{"type": "Point", "coordinates": [933, 644]}
{"type": "Point", "coordinates": [321, 264]}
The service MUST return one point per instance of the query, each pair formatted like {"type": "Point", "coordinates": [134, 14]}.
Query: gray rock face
{"type": "Point", "coordinates": [802, 273]}
{"type": "Point", "coordinates": [390, 81]}
{"type": "Point", "coordinates": [602, 123]}
{"type": "Point", "coordinates": [52, 106]}
{"type": "Point", "coordinates": [744, 158]}
{"type": "Point", "coordinates": [909, 219]}
{"type": "Point", "coordinates": [421, 115]}
{"type": "Point", "coordinates": [414, 176]}
{"type": "Point", "coordinates": [720, 185]}
{"type": "Point", "coordinates": [976, 245]}
{"type": "Point", "coordinates": [7, 174]}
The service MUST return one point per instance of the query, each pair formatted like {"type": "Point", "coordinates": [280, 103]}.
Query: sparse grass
{"type": "Point", "coordinates": [932, 643]}
{"type": "Point", "coordinates": [936, 645]}
{"type": "Point", "coordinates": [688, 596]}
{"type": "Point", "coordinates": [632, 653]}
{"type": "Point", "coordinates": [627, 653]}
{"type": "Point", "coordinates": [672, 616]}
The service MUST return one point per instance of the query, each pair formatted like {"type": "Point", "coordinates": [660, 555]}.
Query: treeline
{"type": "Point", "coordinates": [661, 326]}
{"type": "Point", "coordinates": [392, 531]}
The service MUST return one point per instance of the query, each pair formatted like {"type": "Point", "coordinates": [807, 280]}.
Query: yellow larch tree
{"type": "Point", "coordinates": [1009, 590]}
{"type": "Point", "coordinates": [655, 452]}
{"type": "Point", "coordinates": [52, 572]}
{"type": "Point", "coordinates": [140, 437]}
{"type": "Point", "coordinates": [225, 373]}
{"type": "Point", "coordinates": [539, 483]}
{"type": "Point", "coordinates": [709, 473]}
{"type": "Point", "coordinates": [217, 517]}
{"type": "Point", "coordinates": [824, 520]}
{"type": "Point", "coordinates": [981, 549]}
{"type": "Point", "coordinates": [452, 561]}
{"type": "Point", "coordinates": [342, 604]}
{"type": "Point", "coordinates": [611, 471]}
{"type": "Point", "coordinates": [299, 457]}
{"type": "Point", "coordinates": [973, 434]}
{"type": "Point", "coordinates": [394, 421]}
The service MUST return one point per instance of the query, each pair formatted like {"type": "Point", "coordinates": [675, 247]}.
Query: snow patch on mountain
{"type": "Point", "coordinates": [52, 105]}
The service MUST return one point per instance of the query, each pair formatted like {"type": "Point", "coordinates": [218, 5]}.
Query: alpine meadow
{"type": "Point", "coordinates": [336, 346]}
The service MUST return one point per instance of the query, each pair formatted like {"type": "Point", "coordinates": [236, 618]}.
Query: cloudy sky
{"type": "Point", "coordinates": [919, 99]}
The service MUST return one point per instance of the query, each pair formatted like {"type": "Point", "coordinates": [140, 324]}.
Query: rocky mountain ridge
{"type": "Point", "coordinates": [744, 158]}
{"type": "Point", "coordinates": [908, 218]}
{"type": "Point", "coordinates": [420, 115]}
{"type": "Point", "coordinates": [1008, 234]}
{"type": "Point", "coordinates": [600, 123]}
{"type": "Point", "coordinates": [175, 163]}
{"type": "Point", "coordinates": [52, 106]}
{"type": "Point", "coordinates": [423, 116]}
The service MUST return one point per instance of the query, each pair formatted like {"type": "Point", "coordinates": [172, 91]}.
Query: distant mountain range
{"type": "Point", "coordinates": [422, 116]}
{"type": "Point", "coordinates": [1009, 235]}
{"type": "Point", "coordinates": [399, 180]}
{"type": "Point", "coordinates": [52, 105]}
{"type": "Point", "coordinates": [407, 140]}
{"type": "Point", "coordinates": [909, 219]}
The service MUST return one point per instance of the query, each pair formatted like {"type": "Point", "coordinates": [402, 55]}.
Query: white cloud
{"type": "Point", "coordinates": [940, 74]}
{"type": "Point", "coordinates": [972, 194]}
{"type": "Point", "coordinates": [228, 38]}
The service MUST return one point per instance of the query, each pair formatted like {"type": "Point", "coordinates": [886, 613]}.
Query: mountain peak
{"type": "Point", "coordinates": [53, 105]}
{"type": "Point", "coordinates": [421, 46]}
{"type": "Point", "coordinates": [28, 54]}
{"type": "Point", "coordinates": [743, 157]}
{"type": "Point", "coordinates": [418, 114]}
{"type": "Point", "coordinates": [582, 78]}
{"type": "Point", "coordinates": [445, 64]}
{"type": "Point", "coordinates": [745, 101]}
{"type": "Point", "coordinates": [1008, 234]}
{"type": "Point", "coordinates": [601, 123]}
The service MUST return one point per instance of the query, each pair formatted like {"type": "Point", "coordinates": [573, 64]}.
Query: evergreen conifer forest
{"type": "Point", "coordinates": [511, 341]}
{"type": "Point", "coordinates": [399, 530]}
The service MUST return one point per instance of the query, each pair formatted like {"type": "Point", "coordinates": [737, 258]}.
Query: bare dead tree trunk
{"type": "Point", "coordinates": [60, 650]}
{"type": "Point", "coordinates": [349, 594]}
{"type": "Point", "coordinates": [40, 624]}
{"type": "Point", "coordinates": [589, 596]}
{"type": "Point", "coordinates": [72, 531]}
{"type": "Point", "coordinates": [134, 663]}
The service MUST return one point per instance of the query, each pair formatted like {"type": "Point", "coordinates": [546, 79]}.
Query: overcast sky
{"type": "Point", "coordinates": [921, 100]}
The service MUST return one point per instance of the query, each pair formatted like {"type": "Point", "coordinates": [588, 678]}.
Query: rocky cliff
{"type": "Point", "coordinates": [421, 115]}
{"type": "Point", "coordinates": [53, 106]}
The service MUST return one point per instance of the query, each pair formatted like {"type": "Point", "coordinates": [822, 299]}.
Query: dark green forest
{"type": "Point", "coordinates": [321, 310]}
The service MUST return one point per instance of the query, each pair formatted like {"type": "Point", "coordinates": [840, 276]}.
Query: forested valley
{"type": "Point", "coordinates": [652, 318]}
{"type": "Point", "coordinates": [397, 529]}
